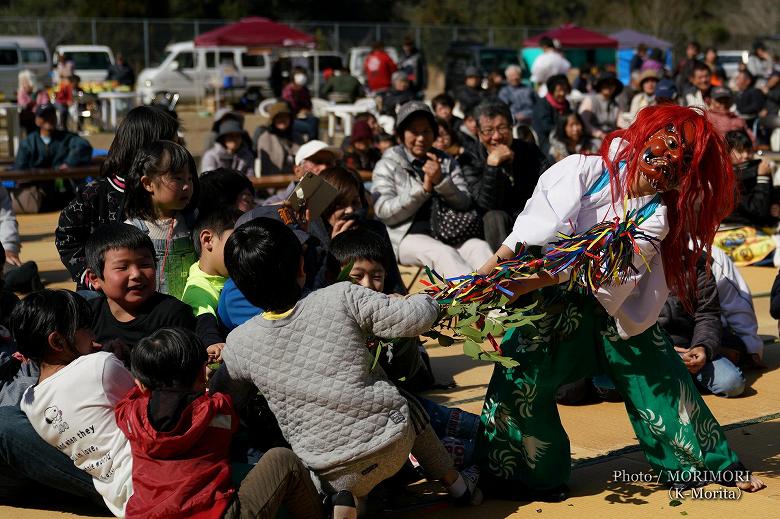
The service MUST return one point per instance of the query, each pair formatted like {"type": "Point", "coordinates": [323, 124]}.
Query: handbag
{"type": "Point", "coordinates": [454, 226]}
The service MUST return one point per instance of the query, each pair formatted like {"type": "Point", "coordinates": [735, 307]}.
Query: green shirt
{"type": "Point", "coordinates": [202, 291]}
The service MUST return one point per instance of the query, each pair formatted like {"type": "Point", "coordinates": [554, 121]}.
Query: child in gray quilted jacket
{"type": "Point", "coordinates": [308, 357]}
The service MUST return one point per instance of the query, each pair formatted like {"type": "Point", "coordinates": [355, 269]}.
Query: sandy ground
{"type": "Point", "coordinates": [602, 440]}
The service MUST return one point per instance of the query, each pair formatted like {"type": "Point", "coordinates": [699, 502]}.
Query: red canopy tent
{"type": "Point", "coordinates": [571, 36]}
{"type": "Point", "coordinates": [255, 32]}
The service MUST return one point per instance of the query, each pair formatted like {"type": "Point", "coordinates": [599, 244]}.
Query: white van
{"type": "Point", "coordinates": [18, 53]}
{"type": "Point", "coordinates": [90, 62]}
{"type": "Point", "coordinates": [188, 70]}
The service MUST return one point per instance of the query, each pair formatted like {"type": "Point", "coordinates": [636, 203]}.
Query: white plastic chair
{"type": "Point", "coordinates": [367, 104]}
{"type": "Point", "coordinates": [318, 106]}
{"type": "Point", "coordinates": [262, 108]}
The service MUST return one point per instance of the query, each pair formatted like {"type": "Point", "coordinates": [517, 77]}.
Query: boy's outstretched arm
{"type": "Point", "coordinates": [391, 317]}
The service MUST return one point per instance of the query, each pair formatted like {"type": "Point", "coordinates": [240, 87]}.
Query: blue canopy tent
{"type": "Point", "coordinates": [628, 41]}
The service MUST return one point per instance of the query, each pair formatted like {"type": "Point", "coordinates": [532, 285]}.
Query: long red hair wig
{"type": "Point", "coordinates": [704, 196]}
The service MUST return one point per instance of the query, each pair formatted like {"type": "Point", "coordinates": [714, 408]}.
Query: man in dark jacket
{"type": "Point", "coordinates": [413, 65]}
{"type": "Point", "coordinates": [48, 148]}
{"type": "Point", "coordinates": [470, 93]}
{"type": "Point", "coordinates": [51, 148]}
{"type": "Point", "coordinates": [697, 338]}
{"type": "Point", "coordinates": [399, 94]}
{"type": "Point", "coordinates": [121, 72]}
{"type": "Point", "coordinates": [502, 172]}
{"type": "Point", "coordinates": [750, 101]}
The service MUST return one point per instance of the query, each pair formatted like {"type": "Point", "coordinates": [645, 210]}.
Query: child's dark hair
{"type": "Point", "coordinates": [220, 188]}
{"type": "Point", "coordinates": [155, 161]}
{"type": "Point", "coordinates": [142, 126]}
{"type": "Point", "coordinates": [558, 80]}
{"type": "Point", "coordinates": [445, 127]}
{"type": "Point", "coordinates": [443, 100]}
{"type": "Point", "coordinates": [385, 137]}
{"type": "Point", "coordinates": [170, 358]}
{"type": "Point", "coordinates": [217, 221]}
{"type": "Point", "coordinates": [263, 258]}
{"type": "Point", "coordinates": [739, 140]}
{"type": "Point", "coordinates": [41, 313]}
{"type": "Point", "coordinates": [563, 121]}
{"type": "Point", "coordinates": [360, 244]}
{"type": "Point", "coordinates": [114, 236]}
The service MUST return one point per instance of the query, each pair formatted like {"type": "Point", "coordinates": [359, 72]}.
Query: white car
{"type": "Point", "coordinates": [19, 53]}
{"type": "Point", "coordinates": [188, 70]}
{"type": "Point", "coordinates": [90, 62]}
{"type": "Point", "coordinates": [357, 57]}
{"type": "Point", "coordinates": [730, 60]}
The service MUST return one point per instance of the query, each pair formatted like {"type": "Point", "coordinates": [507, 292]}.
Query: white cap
{"type": "Point", "coordinates": [312, 148]}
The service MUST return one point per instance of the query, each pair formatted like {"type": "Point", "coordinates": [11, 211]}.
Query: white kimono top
{"type": "Point", "coordinates": [573, 196]}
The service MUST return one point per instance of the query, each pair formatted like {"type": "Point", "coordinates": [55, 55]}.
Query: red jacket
{"type": "Point", "coordinates": [184, 473]}
{"type": "Point", "coordinates": [379, 68]}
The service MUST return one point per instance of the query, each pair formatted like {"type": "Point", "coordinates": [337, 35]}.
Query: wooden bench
{"type": "Point", "coordinates": [32, 175]}
{"type": "Point", "coordinates": [282, 181]}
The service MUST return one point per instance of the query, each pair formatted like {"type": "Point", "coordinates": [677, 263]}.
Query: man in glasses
{"type": "Point", "coordinates": [502, 172]}
{"type": "Point", "coordinates": [314, 156]}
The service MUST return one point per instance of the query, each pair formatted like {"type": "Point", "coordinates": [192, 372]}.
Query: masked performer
{"type": "Point", "coordinates": [670, 172]}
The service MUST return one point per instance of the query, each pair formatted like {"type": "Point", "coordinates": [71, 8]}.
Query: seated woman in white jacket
{"type": "Point", "coordinates": [405, 182]}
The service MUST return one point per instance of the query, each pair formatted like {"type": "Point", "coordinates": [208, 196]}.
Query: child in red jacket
{"type": "Point", "coordinates": [180, 438]}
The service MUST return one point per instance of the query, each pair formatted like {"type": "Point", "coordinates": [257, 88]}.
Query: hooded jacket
{"type": "Point", "coordinates": [185, 472]}
{"type": "Point", "coordinates": [218, 156]}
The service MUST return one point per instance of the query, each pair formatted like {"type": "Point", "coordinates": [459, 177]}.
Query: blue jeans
{"type": "Point", "coordinates": [28, 463]}
{"type": "Point", "coordinates": [721, 377]}
{"type": "Point", "coordinates": [457, 430]}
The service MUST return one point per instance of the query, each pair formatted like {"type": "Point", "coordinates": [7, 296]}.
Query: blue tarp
{"type": "Point", "coordinates": [628, 41]}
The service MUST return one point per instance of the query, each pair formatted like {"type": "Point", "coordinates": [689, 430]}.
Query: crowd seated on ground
{"type": "Point", "coordinates": [187, 281]}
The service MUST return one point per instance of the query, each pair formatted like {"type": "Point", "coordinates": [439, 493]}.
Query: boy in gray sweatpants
{"type": "Point", "coordinates": [308, 357]}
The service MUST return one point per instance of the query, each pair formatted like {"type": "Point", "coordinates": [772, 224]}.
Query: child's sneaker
{"type": "Point", "coordinates": [344, 505]}
{"type": "Point", "coordinates": [465, 489]}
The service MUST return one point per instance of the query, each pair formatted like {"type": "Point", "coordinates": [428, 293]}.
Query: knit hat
{"type": "Point", "coordinates": [721, 93]}
{"type": "Point", "coordinates": [399, 75]}
{"type": "Point", "coordinates": [666, 89]}
{"type": "Point", "coordinates": [360, 131]}
{"type": "Point", "coordinates": [227, 127]}
{"type": "Point", "coordinates": [410, 109]}
{"type": "Point", "coordinates": [472, 72]}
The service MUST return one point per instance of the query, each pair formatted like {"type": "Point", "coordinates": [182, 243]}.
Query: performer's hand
{"type": "Point", "coordinates": [529, 284]}
{"type": "Point", "coordinates": [500, 154]}
{"type": "Point", "coordinates": [694, 359]}
{"type": "Point", "coordinates": [502, 253]}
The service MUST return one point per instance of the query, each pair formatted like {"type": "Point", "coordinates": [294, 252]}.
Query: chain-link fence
{"type": "Point", "coordinates": [143, 41]}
